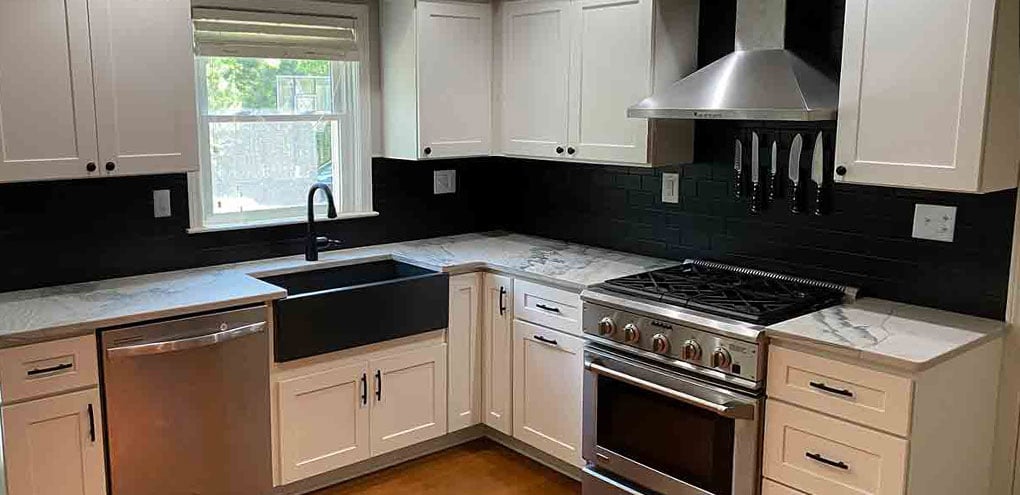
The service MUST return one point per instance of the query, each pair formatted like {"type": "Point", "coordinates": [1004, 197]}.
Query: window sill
{"type": "Point", "coordinates": [223, 227]}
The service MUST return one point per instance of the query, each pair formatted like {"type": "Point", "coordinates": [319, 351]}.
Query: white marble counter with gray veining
{"type": "Point", "coordinates": [63, 311]}
{"type": "Point", "coordinates": [911, 338]}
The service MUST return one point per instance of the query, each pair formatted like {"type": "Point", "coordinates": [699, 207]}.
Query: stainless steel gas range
{"type": "Point", "coordinates": [675, 372]}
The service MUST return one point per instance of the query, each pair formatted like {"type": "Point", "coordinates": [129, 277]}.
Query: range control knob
{"type": "Point", "coordinates": [607, 327]}
{"type": "Point", "coordinates": [691, 351]}
{"type": "Point", "coordinates": [660, 343]}
{"type": "Point", "coordinates": [721, 358]}
{"type": "Point", "coordinates": [631, 334]}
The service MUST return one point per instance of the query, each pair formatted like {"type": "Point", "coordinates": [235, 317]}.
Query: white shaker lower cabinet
{"type": "Point", "coordinates": [928, 96]}
{"type": "Point", "coordinates": [409, 404]}
{"type": "Point", "coordinates": [463, 337]}
{"type": "Point", "coordinates": [323, 420]}
{"type": "Point", "coordinates": [55, 446]}
{"type": "Point", "coordinates": [548, 373]}
{"type": "Point", "coordinates": [497, 352]}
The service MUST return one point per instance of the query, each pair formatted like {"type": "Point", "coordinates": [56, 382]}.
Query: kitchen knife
{"type": "Point", "coordinates": [774, 172]}
{"type": "Point", "coordinates": [794, 172]}
{"type": "Point", "coordinates": [738, 168]}
{"type": "Point", "coordinates": [755, 173]}
{"type": "Point", "coordinates": [818, 173]}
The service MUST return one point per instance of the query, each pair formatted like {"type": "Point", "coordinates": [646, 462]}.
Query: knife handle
{"type": "Point", "coordinates": [755, 197]}
{"type": "Point", "coordinates": [795, 194]}
{"type": "Point", "coordinates": [820, 200]}
{"type": "Point", "coordinates": [738, 185]}
{"type": "Point", "coordinates": [773, 187]}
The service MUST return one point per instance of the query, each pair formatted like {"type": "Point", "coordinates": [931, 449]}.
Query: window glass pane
{"type": "Point", "coordinates": [268, 165]}
{"type": "Point", "coordinates": [267, 86]}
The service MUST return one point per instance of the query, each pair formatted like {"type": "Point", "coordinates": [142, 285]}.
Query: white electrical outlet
{"type": "Point", "coordinates": [444, 182]}
{"type": "Point", "coordinates": [934, 222]}
{"type": "Point", "coordinates": [671, 188]}
{"type": "Point", "coordinates": [161, 203]}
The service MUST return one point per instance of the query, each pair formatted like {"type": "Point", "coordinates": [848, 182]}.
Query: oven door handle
{"type": "Point", "coordinates": [728, 410]}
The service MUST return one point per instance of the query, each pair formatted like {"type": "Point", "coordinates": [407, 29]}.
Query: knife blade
{"type": "Point", "coordinates": [774, 172]}
{"type": "Point", "coordinates": [818, 173]}
{"type": "Point", "coordinates": [738, 167]}
{"type": "Point", "coordinates": [755, 173]}
{"type": "Point", "coordinates": [794, 172]}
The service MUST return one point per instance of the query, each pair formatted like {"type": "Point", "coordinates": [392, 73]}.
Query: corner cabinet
{"type": "Point", "coordinates": [936, 109]}
{"type": "Point", "coordinates": [94, 88]}
{"type": "Point", "coordinates": [571, 68]}
{"type": "Point", "coordinates": [436, 79]}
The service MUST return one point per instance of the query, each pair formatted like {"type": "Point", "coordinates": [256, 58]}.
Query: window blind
{"type": "Point", "coordinates": [236, 33]}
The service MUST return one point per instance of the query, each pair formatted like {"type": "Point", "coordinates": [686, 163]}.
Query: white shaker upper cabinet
{"type": "Point", "coordinates": [47, 111]}
{"type": "Point", "coordinates": [929, 95]}
{"type": "Point", "coordinates": [436, 79]}
{"type": "Point", "coordinates": [536, 78]}
{"type": "Point", "coordinates": [145, 86]}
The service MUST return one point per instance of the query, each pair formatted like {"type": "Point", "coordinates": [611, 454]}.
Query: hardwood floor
{"type": "Point", "coordinates": [478, 467]}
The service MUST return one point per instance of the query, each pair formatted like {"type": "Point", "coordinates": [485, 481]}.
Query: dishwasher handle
{"type": "Point", "coordinates": [223, 335]}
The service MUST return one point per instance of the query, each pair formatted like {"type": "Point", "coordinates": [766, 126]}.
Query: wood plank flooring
{"type": "Point", "coordinates": [479, 467]}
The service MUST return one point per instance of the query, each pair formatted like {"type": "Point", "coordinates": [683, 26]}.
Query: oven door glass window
{"type": "Point", "coordinates": [682, 441]}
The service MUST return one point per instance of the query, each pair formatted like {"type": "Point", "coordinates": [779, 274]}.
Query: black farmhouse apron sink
{"type": "Point", "coordinates": [354, 305]}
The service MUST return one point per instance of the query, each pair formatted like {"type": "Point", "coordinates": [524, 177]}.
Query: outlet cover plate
{"type": "Point", "coordinates": [670, 188]}
{"type": "Point", "coordinates": [934, 222]}
{"type": "Point", "coordinates": [444, 182]}
{"type": "Point", "coordinates": [161, 203]}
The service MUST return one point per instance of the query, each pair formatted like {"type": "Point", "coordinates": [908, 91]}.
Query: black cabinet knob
{"type": "Point", "coordinates": [571, 150]}
{"type": "Point", "coordinates": [841, 171]}
{"type": "Point", "coordinates": [90, 166]}
{"type": "Point", "coordinates": [428, 151]}
{"type": "Point", "coordinates": [110, 166]}
{"type": "Point", "coordinates": [559, 150]}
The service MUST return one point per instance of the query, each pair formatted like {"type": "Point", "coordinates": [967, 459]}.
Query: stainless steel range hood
{"type": "Point", "coordinates": [760, 80]}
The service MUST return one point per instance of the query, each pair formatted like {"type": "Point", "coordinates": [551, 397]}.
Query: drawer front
{"type": "Point", "coordinates": [47, 368]}
{"type": "Point", "coordinates": [860, 395]}
{"type": "Point", "coordinates": [547, 306]}
{"type": "Point", "coordinates": [822, 455]}
{"type": "Point", "coordinates": [769, 487]}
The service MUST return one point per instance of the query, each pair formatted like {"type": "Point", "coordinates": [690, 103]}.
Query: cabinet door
{"type": "Point", "coordinates": [47, 111]}
{"type": "Point", "coordinates": [145, 86]}
{"type": "Point", "coordinates": [912, 107]}
{"type": "Point", "coordinates": [611, 69]}
{"type": "Point", "coordinates": [464, 343]}
{"type": "Point", "coordinates": [497, 346]}
{"type": "Point", "coordinates": [55, 446]}
{"type": "Point", "coordinates": [409, 399]}
{"type": "Point", "coordinates": [454, 79]}
{"type": "Point", "coordinates": [323, 421]}
{"type": "Point", "coordinates": [536, 68]}
{"type": "Point", "coordinates": [548, 371]}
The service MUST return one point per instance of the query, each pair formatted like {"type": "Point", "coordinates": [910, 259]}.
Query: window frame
{"type": "Point", "coordinates": [352, 186]}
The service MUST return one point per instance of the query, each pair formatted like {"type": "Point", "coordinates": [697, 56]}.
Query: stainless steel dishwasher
{"type": "Point", "coordinates": [187, 406]}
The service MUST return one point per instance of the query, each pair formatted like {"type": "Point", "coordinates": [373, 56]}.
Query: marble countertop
{"type": "Point", "coordinates": [69, 310]}
{"type": "Point", "coordinates": [911, 338]}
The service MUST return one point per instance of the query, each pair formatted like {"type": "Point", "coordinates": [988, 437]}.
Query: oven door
{"type": "Point", "coordinates": [656, 428]}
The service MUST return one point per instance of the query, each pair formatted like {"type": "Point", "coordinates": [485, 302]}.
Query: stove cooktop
{"type": "Point", "coordinates": [743, 295]}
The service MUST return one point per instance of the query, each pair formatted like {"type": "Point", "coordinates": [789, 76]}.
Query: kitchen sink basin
{"type": "Point", "coordinates": [338, 308]}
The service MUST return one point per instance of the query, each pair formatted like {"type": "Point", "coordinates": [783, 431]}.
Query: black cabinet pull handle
{"type": "Point", "coordinates": [559, 150]}
{"type": "Point", "coordinates": [828, 462]}
{"type": "Point", "coordinates": [841, 170]}
{"type": "Point", "coordinates": [428, 150]}
{"type": "Point", "coordinates": [110, 166]}
{"type": "Point", "coordinates": [378, 385]}
{"type": "Point", "coordinates": [51, 369]}
{"type": "Point", "coordinates": [92, 424]}
{"type": "Point", "coordinates": [546, 341]}
{"type": "Point", "coordinates": [571, 150]}
{"type": "Point", "coordinates": [364, 389]}
{"type": "Point", "coordinates": [825, 388]}
{"type": "Point", "coordinates": [90, 166]}
{"type": "Point", "coordinates": [547, 308]}
{"type": "Point", "coordinates": [502, 304]}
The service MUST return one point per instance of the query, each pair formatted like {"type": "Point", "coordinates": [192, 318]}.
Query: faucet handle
{"type": "Point", "coordinates": [322, 242]}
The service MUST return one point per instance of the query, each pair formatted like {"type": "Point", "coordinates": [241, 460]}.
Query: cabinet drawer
{"type": "Point", "coordinates": [769, 487]}
{"type": "Point", "coordinates": [861, 395]}
{"type": "Point", "coordinates": [547, 306]}
{"type": "Point", "coordinates": [47, 368]}
{"type": "Point", "coordinates": [819, 454]}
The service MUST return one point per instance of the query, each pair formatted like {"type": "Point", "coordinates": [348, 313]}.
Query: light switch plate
{"type": "Point", "coordinates": [671, 188]}
{"type": "Point", "coordinates": [934, 222]}
{"type": "Point", "coordinates": [444, 182]}
{"type": "Point", "coordinates": [161, 203]}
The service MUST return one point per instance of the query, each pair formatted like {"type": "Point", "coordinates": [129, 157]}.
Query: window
{"type": "Point", "coordinates": [282, 105]}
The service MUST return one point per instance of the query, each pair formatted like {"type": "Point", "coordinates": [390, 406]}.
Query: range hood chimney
{"type": "Point", "coordinates": [760, 80]}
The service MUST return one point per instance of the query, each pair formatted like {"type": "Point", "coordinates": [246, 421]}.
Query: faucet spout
{"type": "Point", "coordinates": [311, 239]}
